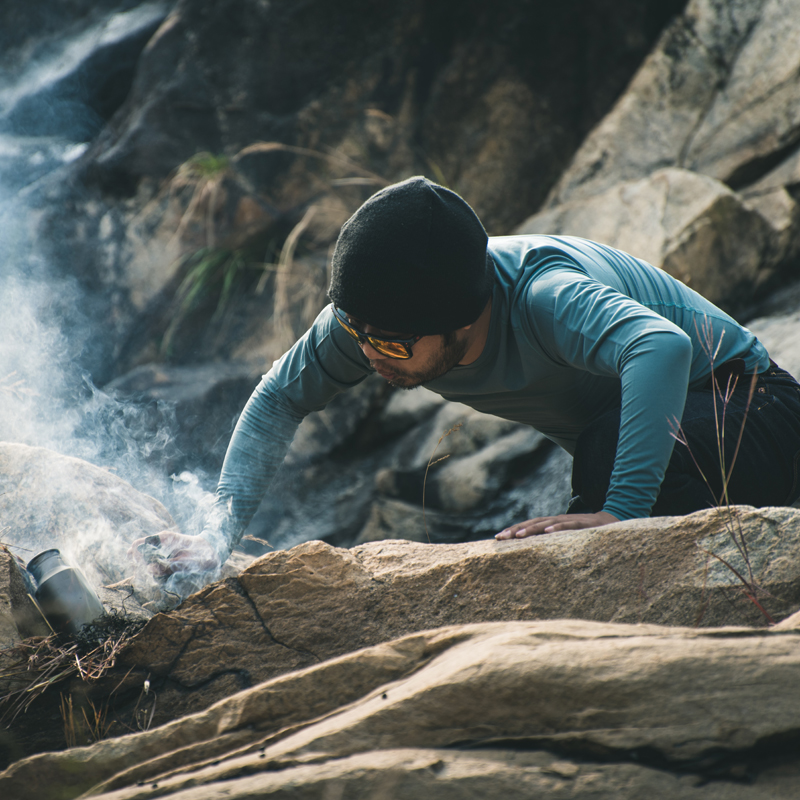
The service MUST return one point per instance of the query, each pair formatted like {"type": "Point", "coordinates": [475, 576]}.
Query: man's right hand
{"type": "Point", "coordinates": [168, 552]}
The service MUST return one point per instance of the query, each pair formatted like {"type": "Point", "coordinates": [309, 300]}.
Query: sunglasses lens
{"type": "Point", "coordinates": [391, 349]}
{"type": "Point", "coordinates": [347, 327]}
{"type": "Point", "coordinates": [384, 347]}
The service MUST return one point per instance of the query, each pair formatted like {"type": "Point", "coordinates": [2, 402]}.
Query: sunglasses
{"type": "Point", "coordinates": [391, 348]}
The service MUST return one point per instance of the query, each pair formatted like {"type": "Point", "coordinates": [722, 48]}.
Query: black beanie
{"type": "Point", "coordinates": [412, 259]}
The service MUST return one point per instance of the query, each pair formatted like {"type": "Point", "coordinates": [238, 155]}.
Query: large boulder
{"type": "Point", "coordinates": [718, 95]}
{"type": "Point", "coordinates": [518, 709]}
{"type": "Point", "coordinates": [295, 608]}
{"type": "Point", "coordinates": [711, 112]}
{"type": "Point", "coordinates": [692, 226]}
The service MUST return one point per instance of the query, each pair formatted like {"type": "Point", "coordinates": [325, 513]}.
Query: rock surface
{"type": "Point", "coordinates": [691, 226]}
{"type": "Point", "coordinates": [555, 708]}
{"type": "Point", "coordinates": [296, 608]}
{"type": "Point", "coordinates": [705, 117]}
{"type": "Point", "coordinates": [717, 96]}
{"type": "Point", "coordinates": [49, 500]}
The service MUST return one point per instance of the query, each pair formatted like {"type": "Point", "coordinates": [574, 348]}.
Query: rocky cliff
{"type": "Point", "coordinates": [172, 176]}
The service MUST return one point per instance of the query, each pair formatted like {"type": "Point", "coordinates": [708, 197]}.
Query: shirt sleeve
{"type": "Point", "coordinates": [324, 362]}
{"type": "Point", "coordinates": [582, 323]}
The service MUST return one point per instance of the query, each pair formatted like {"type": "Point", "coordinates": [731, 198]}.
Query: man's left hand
{"type": "Point", "coordinates": [561, 522]}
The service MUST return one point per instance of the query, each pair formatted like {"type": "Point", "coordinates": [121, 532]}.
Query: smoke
{"type": "Point", "coordinates": [47, 397]}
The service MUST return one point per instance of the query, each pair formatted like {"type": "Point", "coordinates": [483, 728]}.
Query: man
{"type": "Point", "coordinates": [600, 351]}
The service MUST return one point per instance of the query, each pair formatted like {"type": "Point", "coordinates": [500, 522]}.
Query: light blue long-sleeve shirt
{"type": "Point", "coordinates": [576, 329]}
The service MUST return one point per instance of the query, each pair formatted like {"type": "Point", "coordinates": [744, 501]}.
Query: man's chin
{"type": "Point", "coordinates": [404, 383]}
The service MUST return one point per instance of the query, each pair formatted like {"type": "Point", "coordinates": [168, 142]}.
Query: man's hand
{"type": "Point", "coordinates": [165, 553]}
{"type": "Point", "coordinates": [561, 522]}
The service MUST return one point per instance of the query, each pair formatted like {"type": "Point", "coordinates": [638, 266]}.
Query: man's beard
{"type": "Point", "coordinates": [453, 350]}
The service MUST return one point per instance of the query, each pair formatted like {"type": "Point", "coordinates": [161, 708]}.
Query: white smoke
{"type": "Point", "coordinates": [47, 397]}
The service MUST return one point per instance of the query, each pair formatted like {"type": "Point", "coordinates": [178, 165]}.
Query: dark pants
{"type": "Point", "coordinates": [767, 468]}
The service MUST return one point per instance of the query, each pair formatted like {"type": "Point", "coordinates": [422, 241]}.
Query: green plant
{"type": "Point", "coordinates": [209, 273]}
{"type": "Point", "coordinates": [207, 165]}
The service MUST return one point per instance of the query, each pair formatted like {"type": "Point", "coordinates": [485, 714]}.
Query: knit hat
{"type": "Point", "coordinates": [413, 259]}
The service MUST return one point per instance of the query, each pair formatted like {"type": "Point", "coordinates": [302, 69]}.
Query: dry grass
{"type": "Point", "coordinates": [749, 587]}
{"type": "Point", "coordinates": [39, 664]}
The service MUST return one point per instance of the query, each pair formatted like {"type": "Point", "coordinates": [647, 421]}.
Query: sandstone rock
{"type": "Point", "coordinates": [691, 226]}
{"type": "Point", "coordinates": [593, 710]}
{"type": "Point", "coordinates": [294, 608]}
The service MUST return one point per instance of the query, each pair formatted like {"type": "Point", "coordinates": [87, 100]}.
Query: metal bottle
{"type": "Point", "coordinates": [65, 596]}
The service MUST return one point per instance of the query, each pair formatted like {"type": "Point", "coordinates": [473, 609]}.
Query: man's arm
{"type": "Point", "coordinates": [324, 362]}
{"type": "Point", "coordinates": [587, 325]}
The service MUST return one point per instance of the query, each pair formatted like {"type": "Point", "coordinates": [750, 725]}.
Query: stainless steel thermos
{"type": "Point", "coordinates": [65, 597]}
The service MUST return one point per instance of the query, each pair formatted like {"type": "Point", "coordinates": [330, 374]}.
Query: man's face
{"type": "Point", "coordinates": [431, 357]}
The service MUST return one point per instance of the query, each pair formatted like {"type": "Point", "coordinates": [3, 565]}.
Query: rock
{"type": "Point", "coordinates": [780, 334]}
{"type": "Point", "coordinates": [469, 482]}
{"type": "Point", "coordinates": [196, 405]}
{"type": "Point", "coordinates": [524, 708]}
{"type": "Point", "coordinates": [66, 71]}
{"type": "Point", "coordinates": [49, 500]}
{"type": "Point", "coordinates": [19, 615]}
{"type": "Point", "coordinates": [693, 227]}
{"type": "Point", "coordinates": [295, 608]}
{"type": "Point", "coordinates": [700, 101]}
{"type": "Point", "coordinates": [754, 119]}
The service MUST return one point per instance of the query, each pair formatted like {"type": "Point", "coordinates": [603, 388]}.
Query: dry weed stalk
{"type": "Point", "coordinates": [212, 268]}
{"type": "Point", "coordinates": [36, 664]}
{"type": "Point", "coordinates": [431, 463]}
{"type": "Point", "coordinates": [733, 525]}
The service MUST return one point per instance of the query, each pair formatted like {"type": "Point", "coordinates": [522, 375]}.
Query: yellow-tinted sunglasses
{"type": "Point", "coordinates": [391, 348]}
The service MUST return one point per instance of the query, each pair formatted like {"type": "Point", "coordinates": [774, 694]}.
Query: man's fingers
{"type": "Point", "coordinates": [562, 522]}
{"type": "Point", "coordinates": [522, 529]}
